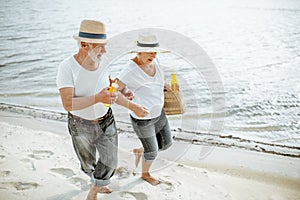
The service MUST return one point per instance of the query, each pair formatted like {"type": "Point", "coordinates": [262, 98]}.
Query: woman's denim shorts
{"type": "Point", "coordinates": [154, 134]}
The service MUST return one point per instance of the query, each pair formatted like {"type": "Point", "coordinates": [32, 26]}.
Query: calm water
{"type": "Point", "coordinates": [255, 45]}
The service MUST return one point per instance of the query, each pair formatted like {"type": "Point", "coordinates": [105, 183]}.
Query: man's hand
{"type": "Point", "coordinates": [106, 97]}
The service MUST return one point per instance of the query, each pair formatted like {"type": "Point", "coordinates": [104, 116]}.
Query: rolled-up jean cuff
{"type": "Point", "coordinates": [146, 159]}
{"type": "Point", "coordinates": [165, 147]}
{"type": "Point", "coordinates": [98, 182]}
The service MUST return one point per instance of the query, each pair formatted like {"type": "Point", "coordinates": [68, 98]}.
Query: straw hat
{"type": "Point", "coordinates": [91, 31]}
{"type": "Point", "coordinates": [148, 43]}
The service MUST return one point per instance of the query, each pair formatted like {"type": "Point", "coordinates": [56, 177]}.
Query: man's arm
{"type": "Point", "coordinates": [70, 102]}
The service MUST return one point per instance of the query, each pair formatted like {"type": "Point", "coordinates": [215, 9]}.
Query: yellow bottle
{"type": "Point", "coordinates": [174, 82]}
{"type": "Point", "coordinates": [112, 88]}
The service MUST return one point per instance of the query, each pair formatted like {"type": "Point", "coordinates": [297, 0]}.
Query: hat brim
{"type": "Point", "coordinates": [150, 49]}
{"type": "Point", "coordinates": [90, 40]}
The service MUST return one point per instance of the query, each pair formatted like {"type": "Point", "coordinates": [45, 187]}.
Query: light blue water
{"type": "Point", "coordinates": [255, 46]}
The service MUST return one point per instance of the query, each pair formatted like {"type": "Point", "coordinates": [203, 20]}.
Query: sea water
{"type": "Point", "coordinates": [254, 46]}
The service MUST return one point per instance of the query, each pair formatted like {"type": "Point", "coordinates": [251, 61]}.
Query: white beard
{"type": "Point", "coordinates": [94, 56]}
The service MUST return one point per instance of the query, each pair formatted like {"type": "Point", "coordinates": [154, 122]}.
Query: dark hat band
{"type": "Point", "coordinates": [147, 45]}
{"type": "Point", "coordinates": [92, 35]}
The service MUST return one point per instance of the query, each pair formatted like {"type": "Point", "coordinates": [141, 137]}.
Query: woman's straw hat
{"type": "Point", "coordinates": [91, 31]}
{"type": "Point", "coordinates": [148, 42]}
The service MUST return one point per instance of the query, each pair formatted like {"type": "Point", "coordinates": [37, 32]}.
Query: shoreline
{"type": "Point", "coordinates": [224, 173]}
{"type": "Point", "coordinates": [193, 137]}
{"type": "Point", "coordinates": [192, 153]}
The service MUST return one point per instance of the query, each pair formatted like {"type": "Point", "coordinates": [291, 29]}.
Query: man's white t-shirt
{"type": "Point", "coordinates": [148, 90]}
{"type": "Point", "coordinates": [85, 83]}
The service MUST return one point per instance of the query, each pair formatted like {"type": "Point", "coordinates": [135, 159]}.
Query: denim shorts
{"type": "Point", "coordinates": [88, 138]}
{"type": "Point", "coordinates": [154, 134]}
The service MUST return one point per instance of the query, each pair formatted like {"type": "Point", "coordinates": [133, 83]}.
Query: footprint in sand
{"type": "Point", "coordinates": [2, 158]}
{"type": "Point", "coordinates": [4, 173]}
{"type": "Point", "coordinates": [79, 182]}
{"type": "Point", "coordinates": [135, 195]}
{"type": "Point", "coordinates": [40, 154]}
{"type": "Point", "coordinates": [18, 185]}
{"type": "Point", "coordinates": [66, 196]}
{"type": "Point", "coordinates": [122, 172]}
{"type": "Point", "coordinates": [168, 185]}
{"type": "Point", "coordinates": [124, 195]}
{"type": "Point", "coordinates": [29, 164]}
{"type": "Point", "coordinates": [63, 171]}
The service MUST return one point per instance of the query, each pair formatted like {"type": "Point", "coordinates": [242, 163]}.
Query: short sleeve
{"type": "Point", "coordinates": [64, 76]}
{"type": "Point", "coordinates": [123, 76]}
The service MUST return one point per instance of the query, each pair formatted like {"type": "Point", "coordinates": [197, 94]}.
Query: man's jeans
{"type": "Point", "coordinates": [154, 134]}
{"type": "Point", "coordinates": [89, 137]}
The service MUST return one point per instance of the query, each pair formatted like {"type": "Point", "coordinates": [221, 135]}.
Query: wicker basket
{"type": "Point", "coordinates": [174, 103]}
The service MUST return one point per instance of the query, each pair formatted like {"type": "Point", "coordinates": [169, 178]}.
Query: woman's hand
{"type": "Point", "coordinates": [139, 110]}
{"type": "Point", "coordinates": [167, 87]}
{"type": "Point", "coordinates": [129, 94]}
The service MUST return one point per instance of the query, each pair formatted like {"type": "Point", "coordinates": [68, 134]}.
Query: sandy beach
{"type": "Point", "coordinates": [37, 161]}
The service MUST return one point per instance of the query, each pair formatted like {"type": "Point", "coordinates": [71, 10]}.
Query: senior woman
{"type": "Point", "coordinates": [145, 77]}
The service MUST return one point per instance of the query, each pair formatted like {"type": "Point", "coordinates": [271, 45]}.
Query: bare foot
{"type": "Point", "coordinates": [147, 177]}
{"type": "Point", "coordinates": [92, 195]}
{"type": "Point", "coordinates": [104, 190]}
{"type": "Point", "coordinates": [138, 154]}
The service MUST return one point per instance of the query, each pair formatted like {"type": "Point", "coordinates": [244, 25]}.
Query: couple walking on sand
{"type": "Point", "coordinates": [83, 87]}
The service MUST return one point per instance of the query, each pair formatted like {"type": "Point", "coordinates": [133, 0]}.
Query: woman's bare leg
{"type": "Point", "coordinates": [146, 175]}
{"type": "Point", "coordinates": [138, 154]}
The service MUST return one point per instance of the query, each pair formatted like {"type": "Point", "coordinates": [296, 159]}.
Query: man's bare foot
{"type": "Point", "coordinates": [92, 195]}
{"type": "Point", "coordinates": [138, 154]}
{"type": "Point", "coordinates": [147, 177]}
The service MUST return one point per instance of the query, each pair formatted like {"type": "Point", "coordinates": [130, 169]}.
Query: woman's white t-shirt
{"type": "Point", "coordinates": [148, 90]}
{"type": "Point", "coordinates": [85, 83]}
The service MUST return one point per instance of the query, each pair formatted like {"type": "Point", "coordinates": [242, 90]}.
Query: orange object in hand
{"type": "Point", "coordinates": [113, 87]}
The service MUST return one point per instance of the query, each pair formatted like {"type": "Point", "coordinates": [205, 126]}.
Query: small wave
{"type": "Point", "coordinates": [30, 94]}
{"type": "Point", "coordinates": [18, 38]}
{"type": "Point", "coordinates": [204, 115]}
{"type": "Point", "coordinates": [18, 94]}
{"type": "Point", "coordinates": [35, 112]}
{"type": "Point", "coordinates": [231, 141]}
{"type": "Point", "coordinates": [24, 61]}
{"type": "Point", "coordinates": [14, 55]}
{"type": "Point", "coordinates": [271, 107]}
{"type": "Point", "coordinates": [293, 10]}
{"type": "Point", "coordinates": [259, 128]}
{"type": "Point", "coordinates": [7, 26]}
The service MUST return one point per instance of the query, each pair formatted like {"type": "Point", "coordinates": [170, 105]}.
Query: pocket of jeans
{"type": "Point", "coordinates": [143, 122]}
{"type": "Point", "coordinates": [110, 130]}
{"type": "Point", "coordinates": [72, 123]}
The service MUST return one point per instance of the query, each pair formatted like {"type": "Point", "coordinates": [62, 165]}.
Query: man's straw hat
{"type": "Point", "coordinates": [91, 31]}
{"type": "Point", "coordinates": [148, 42]}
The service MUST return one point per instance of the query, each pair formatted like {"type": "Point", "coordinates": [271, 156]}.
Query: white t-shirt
{"type": "Point", "coordinates": [86, 83]}
{"type": "Point", "coordinates": [148, 90]}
